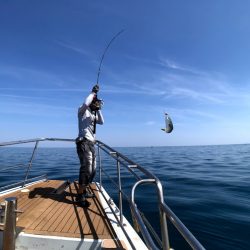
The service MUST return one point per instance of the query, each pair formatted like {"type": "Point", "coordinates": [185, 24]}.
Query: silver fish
{"type": "Point", "coordinates": [169, 124]}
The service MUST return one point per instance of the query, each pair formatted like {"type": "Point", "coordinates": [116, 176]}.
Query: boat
{"type": "Point", "coordinates": [41, 213]}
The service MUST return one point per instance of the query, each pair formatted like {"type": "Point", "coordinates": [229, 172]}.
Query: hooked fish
{"type": "Point", "coordinates": [169, 124]}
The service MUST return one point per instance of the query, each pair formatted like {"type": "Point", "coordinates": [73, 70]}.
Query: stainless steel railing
{"type": "Point", "coordinates": [29, 164]}
{"type": "Point", "coordinates": [142, 176]}
{"type": "Point", "coordinates": [164, 211]}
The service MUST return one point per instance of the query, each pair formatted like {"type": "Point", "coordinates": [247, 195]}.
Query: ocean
{"type": "Point", "coordinates": [207, 187]}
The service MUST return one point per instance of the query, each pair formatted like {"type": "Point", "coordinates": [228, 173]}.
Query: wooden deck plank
{"type": "Point", "coordinates": [92, 216]}
{"type": "Point", "coordinates": [48, 213]}
{"type": "Point", "coordinates": [33, 218]}
{"type": "Point", "coordinates": [100, 226]}
{"type": "Point", "coordinates": [98, 213]}
{"type": "Point", "coordinates": [44, 218]}
{"type": "Point", "coordinates": [62, 227]}
{"type": "Point", "coordinates": [53, 216]}
{"type": "Point", "coordinates": [33, 204]}
{"type": "Point", "coordinates": [23, 198]}
{"type": "Point", "coordinates": [48, 183]}
{"type": "Point", "coordinates": [73, 216]}
{"type": "Point", "coordinates": [59, 218]}
{"type": "Point", "coordinates": [64, 218]}
{"type": "Point", "coordinates": [104, 227]}
{"type": "Point", "coordinates": [85, 217]}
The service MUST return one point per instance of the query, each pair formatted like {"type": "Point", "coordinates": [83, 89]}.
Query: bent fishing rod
{"type": "Point", "coordinates": [105, 51]}
{"type": "Point", "coordinates": [99, 70]}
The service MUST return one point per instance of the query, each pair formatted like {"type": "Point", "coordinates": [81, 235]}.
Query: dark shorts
{"type": "Point", "coordinates": [87, 157]}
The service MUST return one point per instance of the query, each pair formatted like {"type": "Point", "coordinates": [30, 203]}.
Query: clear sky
{"type": "Point", "coordinates": [190, 59]}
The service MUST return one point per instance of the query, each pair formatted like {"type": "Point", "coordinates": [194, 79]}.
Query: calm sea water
{"type": "Point", "coordinates": [207, 186]}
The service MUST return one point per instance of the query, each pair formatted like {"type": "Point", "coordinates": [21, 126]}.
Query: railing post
{"type": "Point", "coordinates": [136, 213]}
{"type": "Point", "coordinates": [30, 163]}
{"type": "Point", "coordinates": [100, 165]}
{"type": "Point", "coordinates": [120, 190]}
{"type": "Point", "coordinates": [9, 233]}
{"type": "Point", "coordinates": [163, 218]}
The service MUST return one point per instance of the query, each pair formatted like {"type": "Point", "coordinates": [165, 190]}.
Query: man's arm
{"type": "Point", "coordinates": [86, 104]}
{"type": "Point", "coordinates": [99, 117]}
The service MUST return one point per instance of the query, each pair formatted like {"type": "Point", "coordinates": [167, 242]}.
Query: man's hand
{"type": "Point", "coordinates": [95, 89]}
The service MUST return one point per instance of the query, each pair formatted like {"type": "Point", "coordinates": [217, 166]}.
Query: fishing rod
{"type": "Point", "coordinates": [105, 51]}
{"type": "Point", "coordinates": [96, 87]}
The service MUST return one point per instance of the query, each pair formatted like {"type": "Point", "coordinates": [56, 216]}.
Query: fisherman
{"type": "Point", "coordinates": [89, 114]}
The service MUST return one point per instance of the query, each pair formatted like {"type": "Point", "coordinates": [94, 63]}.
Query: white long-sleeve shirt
{"type": "Point", "coordinates": [86, 119]}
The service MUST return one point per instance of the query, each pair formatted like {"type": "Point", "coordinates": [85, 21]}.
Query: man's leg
{"type": "Point", "coordinates": [93, 165]}
{"type": "Point", "coordinates": [86, 158]}
{"type": "Point", "coordinates": [82, 175]}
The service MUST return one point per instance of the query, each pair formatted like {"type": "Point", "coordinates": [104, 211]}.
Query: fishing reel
{"type": "Point", "coordinates": [96, 104]}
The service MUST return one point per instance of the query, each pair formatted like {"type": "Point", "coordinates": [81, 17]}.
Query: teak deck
{"type": "Point", "coordinates": [48, 209]}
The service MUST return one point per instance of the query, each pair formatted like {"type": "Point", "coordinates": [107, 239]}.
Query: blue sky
{"type": "Point", "coordinates": [188, 58]}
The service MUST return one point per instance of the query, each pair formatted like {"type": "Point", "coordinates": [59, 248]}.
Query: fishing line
{"type": "Point", "coordinates": [106, 49]}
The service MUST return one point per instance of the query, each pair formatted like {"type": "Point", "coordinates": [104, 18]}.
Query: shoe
{"type": "Point", "coordinates": [88, 195]}
{"type": "Point", "coordinates": [84, 203]}
{"type": "Point", "coordinates": [81, 200]}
